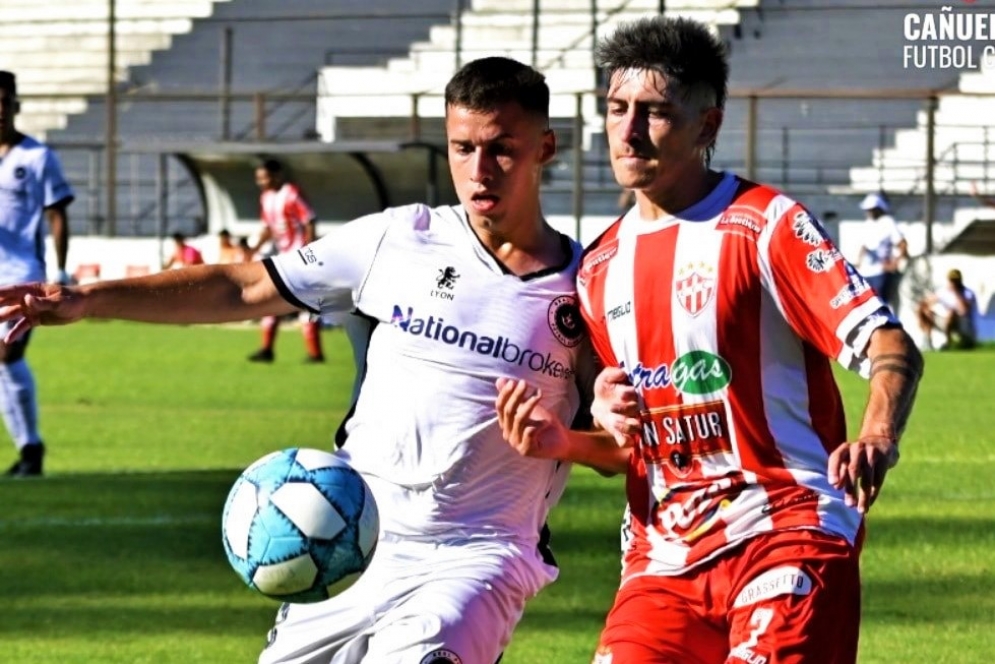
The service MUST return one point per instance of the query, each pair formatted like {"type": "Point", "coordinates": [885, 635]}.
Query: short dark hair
{"type": "Point", "coordinates": [271, 166]}
{"type": "Point", "coordinates": [8, 82]}
{"type": "Point", "coordinates": [482, 85]}
{"type": "Point", "coordinates": [683, 50]}
{"type": "Point", "coordinates": [179, 237]}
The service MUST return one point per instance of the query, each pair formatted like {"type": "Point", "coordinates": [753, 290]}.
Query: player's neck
{"type": "Point", "coordinates": [669, 201]}
{"type": "Point", "coordinates": [523, 248]}
{"type": "Point", "coordinates": [9, 139]}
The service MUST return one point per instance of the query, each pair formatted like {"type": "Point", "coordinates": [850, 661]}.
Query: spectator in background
{"type": "Point", "coordinates": [183, 253]}
{"type": "Point", "coordinates": [32, 188]}
{"type": "Point", "coordinates": [228, 251]}
{"type": "Point", "coordinates": [953, 311]}
{"type": "Point", "coordinates": [882, 249]}
{"type": "Point", "coordinates": [289, 222]}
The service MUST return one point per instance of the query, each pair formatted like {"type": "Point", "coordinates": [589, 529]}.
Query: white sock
{"type": "Point", "coordinates": [18, 404]}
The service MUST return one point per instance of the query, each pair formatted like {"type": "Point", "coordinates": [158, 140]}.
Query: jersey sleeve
{"type": "Point", "coordinates": [327, 275]}
{"type": "Point", "coordinates": [55, 186]}
{"type": "Point", "coordinates": [820, 294]}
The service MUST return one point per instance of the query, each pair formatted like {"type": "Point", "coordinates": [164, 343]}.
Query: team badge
{"type": "Point", "coordinates": [695, 286]}
{"type": "Point", "coordinates": [447, 278]}
{"type": "Point", "coordinates": [443, 656]}
{"type": "Point", "coordinates": [20, 173]}
{"type": "Point", "coordinates": [564, 320]}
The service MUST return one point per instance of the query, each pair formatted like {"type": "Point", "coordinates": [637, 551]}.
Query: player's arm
{"type": "Point", "coordinates": [534, 431]}
{"type": "Point", "coordinates": [310, 230]}
{"type": "Point", "coordinates": [198, 294]}
{"type": "Point", "coordinates": [58, 227]}
{"type": "Point", "coordinates": [859, 467]}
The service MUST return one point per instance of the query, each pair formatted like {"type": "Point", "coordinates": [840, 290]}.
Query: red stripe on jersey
{"type": "Point", "coordinates": [595, 262]}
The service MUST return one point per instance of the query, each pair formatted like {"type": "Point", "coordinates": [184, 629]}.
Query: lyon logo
{"type": "Point", "coordinates": [695, 287]}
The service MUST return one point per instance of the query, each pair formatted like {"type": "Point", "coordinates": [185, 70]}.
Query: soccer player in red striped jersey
{"type": "Point", "coordinates": [718, 305]}
{"type": "Point", "coordinates": [289, 222]}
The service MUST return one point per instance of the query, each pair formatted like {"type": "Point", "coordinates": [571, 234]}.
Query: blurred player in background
{"type": "Point", "coordinates": [183, 254]}
{"type": "Point", "coordinates": [289, 223]}
{"type": "Point", "coordinates": [446, 301]}
{"type": "Point", "coordinates": [720, 303]}
{"type": "Point", "coordinates": [228, 251]}
{"type": "Point", "coordinates": [882, 250]}
{"type": "Point", "coordinates": [33, 191]}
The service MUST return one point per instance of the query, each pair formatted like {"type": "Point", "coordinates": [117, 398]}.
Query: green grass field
{"type": "Point", "coordinates": [116, 558]}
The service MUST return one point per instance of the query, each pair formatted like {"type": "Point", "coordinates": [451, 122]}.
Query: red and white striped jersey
{"type": "Point", "coordinates": [286, 212]}
{"type": "Point", "coordinates": [725, 319]}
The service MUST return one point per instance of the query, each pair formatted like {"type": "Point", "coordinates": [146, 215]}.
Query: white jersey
{"type": "Point", "coordinates": [444, 320]}
{"type": "Point", "coordinates": [31, 180]}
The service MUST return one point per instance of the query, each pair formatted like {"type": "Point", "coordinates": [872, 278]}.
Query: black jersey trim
{"type": "Point", "coordinates": [340, 433]}
{"type": "Point", "coordinates": [281, 287]}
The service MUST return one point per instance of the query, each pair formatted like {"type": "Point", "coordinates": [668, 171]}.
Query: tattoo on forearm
{"type": "Point", "coordinates": [905, 370]}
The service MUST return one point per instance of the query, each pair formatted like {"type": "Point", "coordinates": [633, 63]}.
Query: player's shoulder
{"type": "Point", "coordinates": [756, 209]}
{"type": "Point", "coordinates": [30, 148]}
{"type": "Point", "coordinates": [421, 218]}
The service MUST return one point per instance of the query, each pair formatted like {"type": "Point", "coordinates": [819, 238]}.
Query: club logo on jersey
{"type": "Point", "coordinates": [447, 278]}
{"type": "Point", "coordinates": [697, 372]}
{"type": "Point", "coordinates": [564, 320]}
{"type": "Point", "coordinates": [500, 347]}
{"type": "Point", "coordinates": [822, 260]}
{"type": "Point", "coordinates": [806, 229]}
{"type": "Point", "coordinates": [695, 286]}
{"type": "Point", "coordinates": [443, 656]}
{"type": "Point", "coordinates": [445, 283]}
{"type": "Point", "coordinates": [20, 173]}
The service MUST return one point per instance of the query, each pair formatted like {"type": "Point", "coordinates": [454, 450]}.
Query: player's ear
{"type": "Point", "coordinates": [710, 125]}
{"type": "Point", "coordinates": [548, 146]}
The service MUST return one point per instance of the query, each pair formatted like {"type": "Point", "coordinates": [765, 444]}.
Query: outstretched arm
{"type": "Point", "coordinates": [198, 294]}
{"type": "Point", "coordinates": [859, 467]}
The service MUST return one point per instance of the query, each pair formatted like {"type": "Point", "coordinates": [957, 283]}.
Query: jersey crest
{"type": "Point", "coordinates": [695, 287]}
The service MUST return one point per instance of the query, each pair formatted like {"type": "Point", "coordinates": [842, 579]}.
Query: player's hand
{"type": "Point", "coordinates": [31, 305]}
{"type": "Point", "coordinates": [859, 469]}
{"type": "Point", "coordinates": [527, 425]}
{"type": "Point", "coordinates": [616, 406]}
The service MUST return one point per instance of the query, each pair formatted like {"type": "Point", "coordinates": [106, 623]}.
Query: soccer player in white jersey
{"type": "Point", "coordinates": [33, 192]}
{"type": "Point", "coordinates": [447, 300]}
{"type": "Point", "coordinates": [719, 304]}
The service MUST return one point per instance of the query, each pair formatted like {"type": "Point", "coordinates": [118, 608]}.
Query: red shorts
{"type": "Point", "coordinates": [780, 598]}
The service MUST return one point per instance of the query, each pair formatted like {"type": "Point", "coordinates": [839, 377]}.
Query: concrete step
{"type": "Point", "coordinates": [85, 43]}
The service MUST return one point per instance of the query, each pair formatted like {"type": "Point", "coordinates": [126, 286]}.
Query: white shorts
{"type": "Point", "coordinates": [418, 603]}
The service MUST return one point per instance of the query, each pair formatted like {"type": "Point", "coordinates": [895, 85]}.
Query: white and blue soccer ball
{"type": "Point", "coordinates": [300, 525]}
